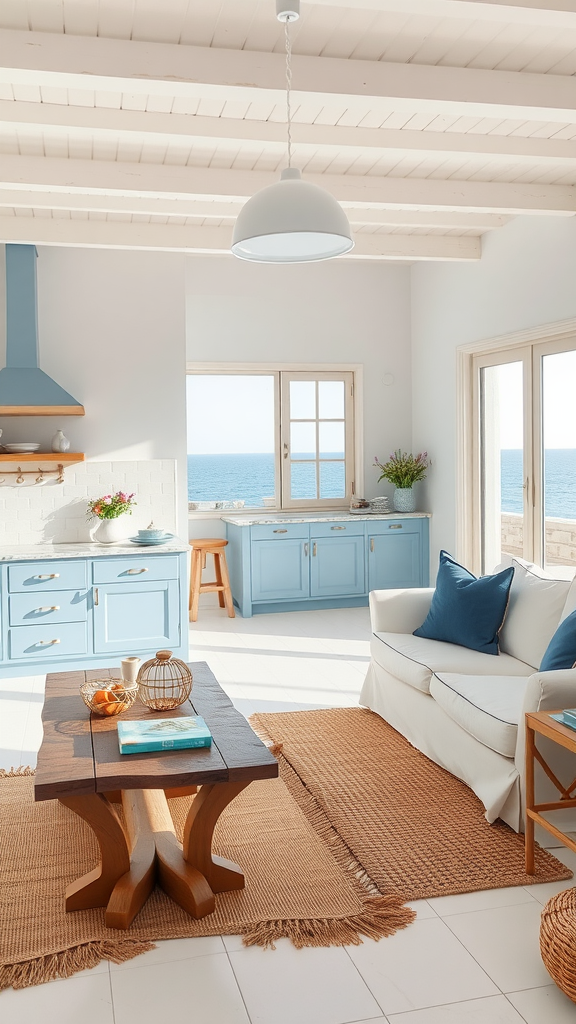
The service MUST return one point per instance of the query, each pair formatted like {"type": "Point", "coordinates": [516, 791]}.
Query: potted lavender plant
{"type": "Point", "coordinates": [403, 470]}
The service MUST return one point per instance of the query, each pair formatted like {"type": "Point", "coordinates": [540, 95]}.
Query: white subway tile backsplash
{"type": "Point", "coordinates": [50, 512]}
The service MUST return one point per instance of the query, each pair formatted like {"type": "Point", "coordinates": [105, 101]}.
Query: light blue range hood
{"type": "Point", "coordinates": [25, 390]}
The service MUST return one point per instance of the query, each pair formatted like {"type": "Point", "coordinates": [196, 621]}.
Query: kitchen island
{"type": "Point", "coordinates": [297, 561]}
{"type": "Point", "coordinates": [86, 605]}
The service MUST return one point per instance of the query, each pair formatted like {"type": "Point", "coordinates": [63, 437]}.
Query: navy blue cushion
{"type": "Point", "coordinates": [467, 610]}
{"type": "Point", "coordinates": [561, 651]}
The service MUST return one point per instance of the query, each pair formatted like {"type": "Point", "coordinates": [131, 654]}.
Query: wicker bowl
{"type": "Point", "coordinates": [558, 940]}
{"type": "Point", "coordinates": [108, 697]}
{"type": "Point", "coordinates": [164, 682]}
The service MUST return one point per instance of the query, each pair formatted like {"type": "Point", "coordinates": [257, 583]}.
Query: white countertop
{"type": "Point", "coordinates": [333, 517]}
{"type": "Point", "coordinates": [42, 552]}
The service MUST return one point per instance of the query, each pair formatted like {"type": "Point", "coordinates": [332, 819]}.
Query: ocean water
{"type": "Point", "coordinates": [559, 482]}
{"type": "Point", "coordinates": [251, 477]}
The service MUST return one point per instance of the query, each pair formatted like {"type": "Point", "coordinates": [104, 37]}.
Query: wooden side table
{"type": "Point", "coordinates": [540, 722]}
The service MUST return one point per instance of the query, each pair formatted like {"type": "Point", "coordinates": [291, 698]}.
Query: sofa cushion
{"type": "Point", "coordinates": [561, 651]}
{"type": "Point", "coordinates": [466, 610]}
{"type": "Point", "coordinates": [414, 659]}
{"type": "Point", "coordinates": [537, 601]}
{"type": "Point", "coordinates": [487, 707]}
{"type": "Point", "coordinates": [570, 605]}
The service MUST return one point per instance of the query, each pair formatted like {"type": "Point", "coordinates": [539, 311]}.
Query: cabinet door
{"type": "Point", "coordinates": [280, 569]}
{"type": "Point", "coordinates": [337, 566]}
{"type": "Point", "coordinates": [394, 560]}
{"type": "Point", "coordinates": [135, 617]}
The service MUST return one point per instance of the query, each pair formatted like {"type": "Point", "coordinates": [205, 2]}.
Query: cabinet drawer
{"type": "Point", "coordinates": [336, 529]}
{"type": "Point", "coordinates": [49, 641]}
{"type": "Point", "coordinates": [50, 606]}
{"type": "Point", "coordinates": [280, 531]}
{"type": "Point", "coordinates": [139, 568]}
{"type": "Point", "coordinates": [36, 576]}
{"type": "Point", "coordinates": [395, 526]}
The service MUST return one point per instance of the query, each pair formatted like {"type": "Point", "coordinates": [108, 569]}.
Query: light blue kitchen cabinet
{"type": "Point", "coordinates": [395, 555]}
{"type": "Point", "coordinates": [285, 566]}
{"type": "Point", "coordinates": [337, 566]}
{"type": "Point", "coordinates": [68, 613]}
{"type": "Point", "coordinates": [142, 616]}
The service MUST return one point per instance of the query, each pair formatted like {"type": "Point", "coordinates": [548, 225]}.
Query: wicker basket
{"type": "Point", "coordinates": [558, 940]}
{"type": "Point", "coordinates": [164, 682]}
{"type": "Point", "coordinates": [108, 696]}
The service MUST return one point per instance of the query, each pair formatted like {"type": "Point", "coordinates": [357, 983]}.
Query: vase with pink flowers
{"type": "Point", "coordinates": [108, 510]}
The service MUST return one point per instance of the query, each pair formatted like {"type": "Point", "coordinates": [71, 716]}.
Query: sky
{"type": "Point", "coordinates": [559, 402]}
{"type": "Point", "coordinates": [230, 414]}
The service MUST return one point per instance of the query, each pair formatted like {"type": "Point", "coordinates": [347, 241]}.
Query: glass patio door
{"type": "Point", "coordinates": [556, 462]}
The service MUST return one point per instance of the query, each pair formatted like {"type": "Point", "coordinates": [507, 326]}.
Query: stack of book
{"type": "Point", "coordinates": [163, 734]}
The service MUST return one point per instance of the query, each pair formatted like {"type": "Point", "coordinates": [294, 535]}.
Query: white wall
{"type": "Point", "coordinates": [339, 311]}
{"type": "Point", "coordinates": [526, 278]}
{"type": "Point", "coordinates": [112, 333]}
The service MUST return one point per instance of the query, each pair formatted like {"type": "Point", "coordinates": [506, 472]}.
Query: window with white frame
{"type": "Point", "coordinates": [522, 465]}
{"type": "Point", "coordinates": [279, 439]}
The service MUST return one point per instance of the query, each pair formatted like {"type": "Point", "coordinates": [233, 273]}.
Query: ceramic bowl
{"type": "Point", "coordinates": [151, 534]}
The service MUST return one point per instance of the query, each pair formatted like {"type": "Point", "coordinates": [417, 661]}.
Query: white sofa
{"type": "Point", "coordinates": [464, 709]}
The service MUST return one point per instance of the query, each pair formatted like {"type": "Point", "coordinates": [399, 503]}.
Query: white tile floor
{"type": "Point", "coordinates": [470, 959]}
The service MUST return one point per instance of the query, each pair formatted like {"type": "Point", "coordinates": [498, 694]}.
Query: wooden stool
{"type": "Point", "coordinates": [200, 548]}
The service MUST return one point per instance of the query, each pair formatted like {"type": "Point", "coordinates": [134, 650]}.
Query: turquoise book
{"type": "Point", "coordinates": [163, 734]}
{"type": "Point", "coordinates": [567, 717]}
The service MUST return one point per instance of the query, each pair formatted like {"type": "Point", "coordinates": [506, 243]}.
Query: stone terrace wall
{"type": "Point", "coordinates": [560, 538]}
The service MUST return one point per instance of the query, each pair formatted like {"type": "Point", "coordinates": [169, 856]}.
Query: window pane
{"type": "Point", "coordinates": [331, 440]}
{"type": "Point", "coordinates": [303, 440]}
{"type": "Point", "coordinates": [559, 430]}
{"type": "Point", "coordinates": [302, 399]}
{"type": "Point", "coordinates": [332, 480]}
{"type": "Point", "coordinates": [502, 462]}
{"type": "Point", "coordinates": [331, 399]}
{"type": "Point", "coordinates": [230, 439]}
{"type": "Point", "coordinates": [303, 480]}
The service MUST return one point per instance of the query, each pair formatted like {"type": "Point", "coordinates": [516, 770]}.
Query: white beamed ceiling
{"type": "Point", "coordinates": [147, 123]}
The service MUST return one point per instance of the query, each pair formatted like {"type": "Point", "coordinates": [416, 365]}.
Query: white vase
{"type": "Point", "coordinates": [60, 443]}
{"type": "Point", "coordinates": [110, 531]}
{"type": "Point", "coordinates": [404, 499]}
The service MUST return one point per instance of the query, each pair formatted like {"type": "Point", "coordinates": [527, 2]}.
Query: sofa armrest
{"type": "Point", "coordinates": [399, 611]}
{"type": "Point", "coordinates": [549, 691]}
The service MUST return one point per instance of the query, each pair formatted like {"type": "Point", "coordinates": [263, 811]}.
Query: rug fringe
{"type": "Point", "coordinates": [16, 773]}
{"type": "Point", "coordinates": [382, 916]}
{"type": "Point", "coordinates": [67, 962]}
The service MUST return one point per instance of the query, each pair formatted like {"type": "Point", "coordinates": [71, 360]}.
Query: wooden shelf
{"type": "Point", "coordinates": [42, 410]}
{"type": "Point", "coordinates": [62, 458]}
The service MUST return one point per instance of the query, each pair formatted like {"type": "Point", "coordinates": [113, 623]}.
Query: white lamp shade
{"type": "Point", "coordinates": [292, 221]}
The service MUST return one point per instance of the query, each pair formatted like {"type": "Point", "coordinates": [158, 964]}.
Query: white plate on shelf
{"type": "Point", "coordinates": [22, 447]}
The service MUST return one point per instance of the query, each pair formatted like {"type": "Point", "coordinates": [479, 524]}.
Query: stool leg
{"type": "Point", "coordinates": [195, 581]}
{"type": "Point", "coordinates": [226, 584]}
{"type": "Point", "coordinates": [218, 571]}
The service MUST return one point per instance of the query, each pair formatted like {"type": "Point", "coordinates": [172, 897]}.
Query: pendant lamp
{"type": "Point", "coordinates": [292, 221]}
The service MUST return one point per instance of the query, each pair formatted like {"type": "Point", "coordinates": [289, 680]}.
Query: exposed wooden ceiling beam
{"type": "Point", "coordinates": [550, 13]}
{"type": "Point", "coordinates": [100, 177]}
{"type": "Point", "coordinates": [216, 241]}
{"type": "Point", "coordinates": [84, 62]}
{"type": "Point", "coordinates": [107, 123]}
{"type": "Point", "coordinates": [164, 207]}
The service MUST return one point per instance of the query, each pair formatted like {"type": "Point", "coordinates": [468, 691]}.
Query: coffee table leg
{"type": "Point", "coordinates": [221, 874]}
{"type": "Point", "coordinates": [94, 888]}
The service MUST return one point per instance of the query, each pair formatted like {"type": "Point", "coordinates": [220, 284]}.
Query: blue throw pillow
{"type": "Point", "coordinates": [561, 651]}
{"type": "Point", "coordinates": [467, 610]}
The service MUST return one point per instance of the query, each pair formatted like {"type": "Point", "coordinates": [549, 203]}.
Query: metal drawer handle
{"type": "Point", "coordinates": [135, 572]}
{"type": "Point", "coordinates": [372, 544]}
{"type": "Point", "coordinates": [49, 608]}
{"type": "Point", "coordinates": [306, 551]}
{"type": "Point", "coordinates": [48, 576]}
{"type": "Point", "coordinates": [395, 526]}
{"type": "Point", "coordinates": [279, 531]}
{"type": "Point", "coordinates": [314, 550]}
{"type": "Point", "coordinates": [337, 527]}
{"type": "Point", "coordinates": [44, 643]}
{"type": "Point", "coordinates": [96, 596]}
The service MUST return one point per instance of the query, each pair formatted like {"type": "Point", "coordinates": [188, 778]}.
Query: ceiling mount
{"type": "Point", "coordinates": [287, 10]}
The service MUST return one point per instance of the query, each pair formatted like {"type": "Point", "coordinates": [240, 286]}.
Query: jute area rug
{"type": "Point", "coordinates": [411, 827]}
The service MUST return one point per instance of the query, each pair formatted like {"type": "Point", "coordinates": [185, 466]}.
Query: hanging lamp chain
{"type": "Point", "coordinates": [288, 87]}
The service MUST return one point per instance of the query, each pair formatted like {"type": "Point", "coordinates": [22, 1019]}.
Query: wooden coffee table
{"type": "Point", "coordinates": [540, 723]}
{"type": "Point", "coordinates": [79, 764]}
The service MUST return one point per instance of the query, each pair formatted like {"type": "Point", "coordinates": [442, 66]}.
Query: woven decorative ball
{"type": "Point", "coordinates": [164, 682]}
{"type": "Point", "coordinates": [558, 940]}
